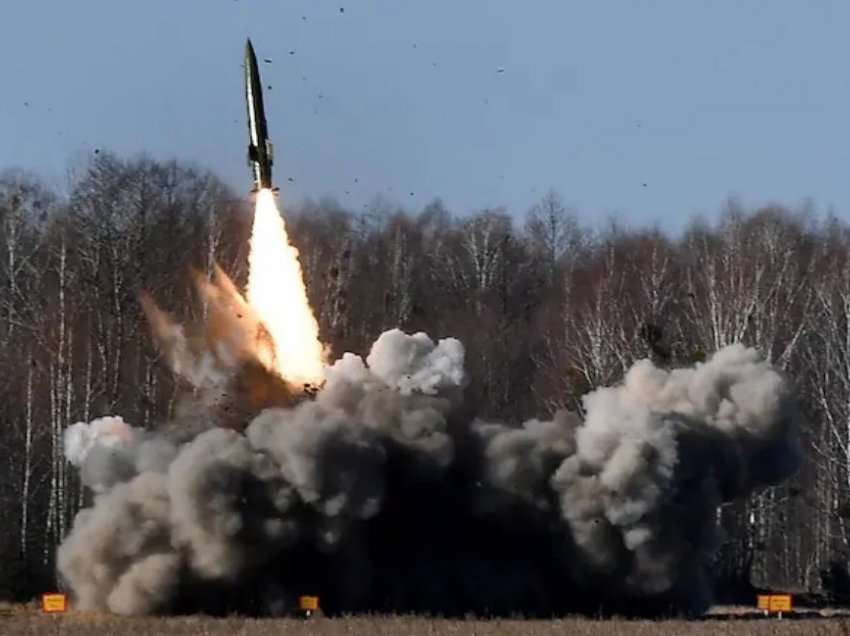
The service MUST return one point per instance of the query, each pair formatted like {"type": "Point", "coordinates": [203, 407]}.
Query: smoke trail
{"type": "Point", "coordinates": [221, 362]}
{"type": "Point", "coordinates": [378, 496]}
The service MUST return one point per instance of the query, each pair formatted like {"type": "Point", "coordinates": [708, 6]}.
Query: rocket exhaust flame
{"type": "Point", "coordinates": [276, 292]}
{"type": "Point", "coordinates": [272, 327]}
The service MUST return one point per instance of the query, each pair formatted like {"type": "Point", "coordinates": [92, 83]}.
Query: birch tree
{"type": "Point", "coordinates": [749, 281]}
{"type": "Point", "coordinates": [554, 233]}
{"type": "Point", "coordinates": [827, 367]}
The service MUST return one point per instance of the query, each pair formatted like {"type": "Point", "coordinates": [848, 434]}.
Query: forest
{"type": "Point", "coordinates": [547, 308]}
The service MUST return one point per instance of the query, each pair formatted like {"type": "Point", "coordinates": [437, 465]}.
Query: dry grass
{"type": "Point", "coordinates": [31, 623]}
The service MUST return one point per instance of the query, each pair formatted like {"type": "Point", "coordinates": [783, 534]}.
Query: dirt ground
{"type": "Point", "coordinates": [21, 621]}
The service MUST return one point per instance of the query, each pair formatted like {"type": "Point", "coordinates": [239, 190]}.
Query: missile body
{"type": "Point", "coordinates": [260, 156]}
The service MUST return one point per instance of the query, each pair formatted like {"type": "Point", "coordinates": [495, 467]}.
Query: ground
{"type": "Point", "coordinates": [30, 622]}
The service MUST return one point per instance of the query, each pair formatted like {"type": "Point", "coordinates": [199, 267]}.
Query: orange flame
{"type": "Point", "coordinates": [277, 294]}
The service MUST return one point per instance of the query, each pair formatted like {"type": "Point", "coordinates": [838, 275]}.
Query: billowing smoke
{"type": "Point", "coordinates": [376, 494]}
{"type": "Point", "coordinates": [220, 362]}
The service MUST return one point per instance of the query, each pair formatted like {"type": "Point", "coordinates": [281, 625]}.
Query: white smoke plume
{"type": "Point", "coordinates": [414, 363]}
{"type": "Point", "coordinates": [378, 496]}
{"type": "Point", "coordinates": [103, 450]}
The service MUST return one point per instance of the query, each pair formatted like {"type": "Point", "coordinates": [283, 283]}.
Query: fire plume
{"type": "Point", "coordinates": [277, 294]}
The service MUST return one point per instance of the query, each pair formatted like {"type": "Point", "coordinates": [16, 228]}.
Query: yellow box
{"type": "Point", "coordinates": [780, 603]}
{"type": "Point", "coordinates": [763, 602]}
{"type": "Point", "coordinates": [308, 603]}
{"type": "Point", "coordinates": [54, 603]}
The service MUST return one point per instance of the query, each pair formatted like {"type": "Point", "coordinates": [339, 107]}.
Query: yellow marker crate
{"type": "Point", "coordinates": [780, 603]}
{"type": "Point", "coordinates": [775, 603]}
{"type": "Point", "coordinates": [54, 603]}
{"type": "Point", "coordinates": [308, 603]}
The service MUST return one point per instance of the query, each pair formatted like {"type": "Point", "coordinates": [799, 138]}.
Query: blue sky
{"type": "Point", "coordinates": [650, 110]}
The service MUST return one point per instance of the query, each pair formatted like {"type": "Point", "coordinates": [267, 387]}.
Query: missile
{"type": "Point", "coordinates": [260, 155]}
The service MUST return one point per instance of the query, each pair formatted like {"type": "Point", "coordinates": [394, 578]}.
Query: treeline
{"type": "Point", "coordinates": [546, 308]}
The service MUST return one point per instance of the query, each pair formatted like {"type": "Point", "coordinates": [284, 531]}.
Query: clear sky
{"type": "Point", "coordinates": [652, 110]}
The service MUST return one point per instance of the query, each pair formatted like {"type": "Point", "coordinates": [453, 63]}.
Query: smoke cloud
{"type": "Point", "coordinates": [378, 494]}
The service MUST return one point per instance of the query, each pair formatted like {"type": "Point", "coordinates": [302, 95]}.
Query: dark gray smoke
{"type": "Point", "coordinates": [377, 495]}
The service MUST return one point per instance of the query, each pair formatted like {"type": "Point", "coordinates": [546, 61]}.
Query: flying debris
{"type": "Point", "coordinates": [260, 152]}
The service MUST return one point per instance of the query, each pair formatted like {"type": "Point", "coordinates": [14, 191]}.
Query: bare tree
{"type": "Point", "coordinates": [554, 233]}
{"type": "Point", "coordinates": [827, 366]}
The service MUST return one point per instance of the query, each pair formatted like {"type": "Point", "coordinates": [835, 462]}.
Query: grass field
{"type": "Point", "coordinates": [28, 622]}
